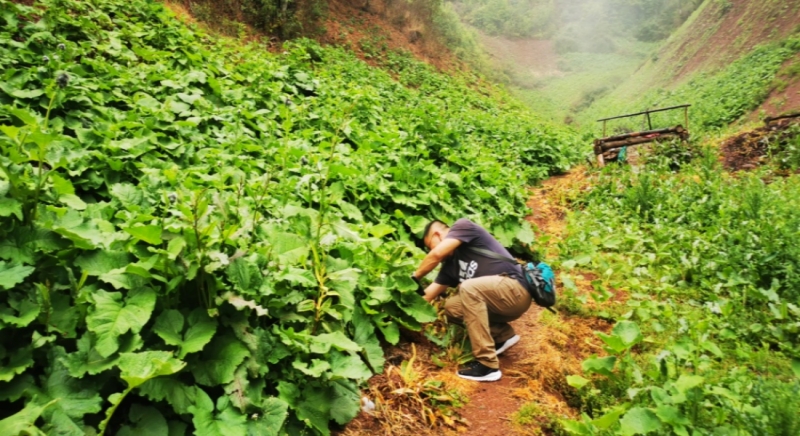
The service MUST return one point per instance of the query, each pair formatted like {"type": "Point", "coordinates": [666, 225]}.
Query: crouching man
{"type": "Point", "coordinates": [491, 292]}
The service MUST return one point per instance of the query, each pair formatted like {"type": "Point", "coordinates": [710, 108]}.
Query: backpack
{"type": "Point", "coordinates": [540, 277]}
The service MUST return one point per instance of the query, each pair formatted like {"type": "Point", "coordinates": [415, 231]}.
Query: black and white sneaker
{"type": "Point", "coordinates": [479, 372]}
{"type": "Point", "coordinates": [501, 347]}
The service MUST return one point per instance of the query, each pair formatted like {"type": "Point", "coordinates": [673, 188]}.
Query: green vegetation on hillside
{"type": "Point", "coordinates": [718, 98]}
{"type": "Point", "coordinates": [197, 235]}
{"type": "Point", "coordinates": [706, 339]}
{"type": "Point", "coordinates": [582, 25]}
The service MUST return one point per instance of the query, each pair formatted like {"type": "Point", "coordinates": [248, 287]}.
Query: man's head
{"type": "Point", "coordinates": [434, 232]}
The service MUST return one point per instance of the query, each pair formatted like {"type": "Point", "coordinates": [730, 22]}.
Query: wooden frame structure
{"type": "Point", "coordinates": [611, 144]}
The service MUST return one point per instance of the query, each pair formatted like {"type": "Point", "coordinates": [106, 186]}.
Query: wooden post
{"type": "Point", "coordinates": [600, 161]}
{"type": "Point", "coordinates": [604, 129]}
{"type": "Point", "coordinates": [686, 117]}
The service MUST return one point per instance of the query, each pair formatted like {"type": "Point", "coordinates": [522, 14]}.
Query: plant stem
{"type": "Point", "coordinates": [319, 267]}
{"type": "Point", "coordinates": [110, 412]}
{"type": "Point", "coordinates": [42, 151]}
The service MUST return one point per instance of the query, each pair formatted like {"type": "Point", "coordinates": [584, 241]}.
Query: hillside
{"type": "Point", "coordinates": [583, 86]}
{"type": "Point", "coordinates": [716, 40]}
{"type": "Point", "coordinates": [200, 235]}
{"type": "Point", "coordinates": [210, 211]}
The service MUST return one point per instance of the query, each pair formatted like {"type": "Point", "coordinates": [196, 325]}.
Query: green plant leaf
{"type": "Point", "coordinates": [270, 421]}
{"type": "Point", "coordinates": [345, 401]}
{"type": "Point", "coordinates": [240, 303]}
{"type": "Point", "coordinates": [137, 368]}
{"type": "Point", "coordinates": [288, 247]}
{"type": "Point", "coordinates": [16, 388]}
{"type": "Point", "coordinates": [20, 360]}
{"type": "Point", "coordinates": [129, 278]}
{"type": "Point", "coordinates": [74, 398]}
{"type": "Point", "coordinates": [686, 382]}
{"type": "Point", "coordinates": [12, 275]}
{"type": "Point", "coordinates": [672, 415]}
{"type": "Point", "coordinates": [146, 421]}
{"type": "Point", "coordinates": [201, 328]}
{"type": "Point", "coordinates": [525, 234]}
{"type": "Point", "coordinates": [365, 335]}
{"type": "Point", "coordinates": [599, 365]}
{"type": "Point", "coordinates": [615, 344]}
{"type": "Point", "coordinates": [243, 394]}
{"type": "Point", "coordinates": [315, 370]}
{"type": "Point", "coordinates": [112, 317]}
{"type": "Point", "coordinates": [100, 262]}
{"type": "Point", "coordinates": [10, 206]}
{"type": "Point", "coordinates": [321, 344]}
{"type": "Point", "coordinates": [87, 360]}
{"type": "Point", "coordinates": [84, 234]}
{"type": "Point", "coordinates": [314, 408]}
{"type": "Point", "coordinates": [380, 230]}
{"type": "Point", "coordinates": [147, 233]}
{"type": "Point", "coordinates": [577, 381]}
{"type": "Point", "coordinates": [610, 418]}
{"type": "Point", "coordinates": [298, 276]}
{"type": "Point", "coordinates": [127, 194]}
{"type": "Point", "coordinates": [348, 366]}
{"type": "Point", "coordinates": [23, 422]}
{"type": "Point", "coordinates": [171, 390]}
{"type": "Point", "coordinates": [219, 361]}
{"type": "Point", "coordinates": [73, 201]}
{"type": "Point", "coordinates": [628, 331]}
{"type": "Point", "coordinates": [21, 310]}
{"type": "Point", "coordinates": [226, 421]}
{"type": "Point", "coordinates": [639, 421]}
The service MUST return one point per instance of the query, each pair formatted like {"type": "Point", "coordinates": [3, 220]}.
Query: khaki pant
{"type": "Point", "coordinates": [485, 306]}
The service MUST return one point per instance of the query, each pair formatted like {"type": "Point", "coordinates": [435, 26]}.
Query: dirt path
{"type": "Point", "coordinates": [491, 405]}
{"type": "Point", "coordinates": [551, 346]}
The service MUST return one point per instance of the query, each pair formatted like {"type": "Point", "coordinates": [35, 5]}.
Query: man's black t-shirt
{"type": "Point", "coordinates": [464, 264]}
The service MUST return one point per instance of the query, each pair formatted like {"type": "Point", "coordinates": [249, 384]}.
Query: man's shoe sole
{"type": "Point", "coordinates": [492, 376]}
{"type": "Point", "coordinates": [508, 344]}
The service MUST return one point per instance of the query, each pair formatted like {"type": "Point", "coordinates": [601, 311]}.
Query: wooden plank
{"type": "Point", "coordinates": [603, 146]}
{"type": "Point", "coordinates": [771, 121]}
{"type": "Point", "coordinates": [645, 112]}
{"type": "Point", "coordinates": [677, 129]}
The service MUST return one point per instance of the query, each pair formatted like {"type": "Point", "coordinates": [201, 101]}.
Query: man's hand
{"type": "Point", "coordinates": [433, 291]}
{"type": "Point", "coordinates": [420, 289]}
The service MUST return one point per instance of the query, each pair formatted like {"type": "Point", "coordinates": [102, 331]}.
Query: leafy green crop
{"type": "Point", "coordinates": [709, 261]}
{"type": "Point", "coordinates": [201, 236]}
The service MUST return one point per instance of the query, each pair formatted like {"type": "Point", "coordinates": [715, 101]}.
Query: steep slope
{"type": "Point", "coordinates": [732, 38]}
{"type": "Point", "coordinates": [199, 234]}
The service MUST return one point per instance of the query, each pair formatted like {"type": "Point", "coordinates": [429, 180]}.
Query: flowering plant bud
{"type": "Point", "coordinates": [62, 80]}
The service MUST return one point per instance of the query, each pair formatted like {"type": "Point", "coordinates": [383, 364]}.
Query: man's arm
{"type": "Point", "coordinates": [436, 256]}
{"type": "Point", "coordinates": [433, 290]}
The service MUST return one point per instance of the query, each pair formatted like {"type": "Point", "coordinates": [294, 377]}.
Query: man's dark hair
{"type": "Point", "coordinates": [428, 228]}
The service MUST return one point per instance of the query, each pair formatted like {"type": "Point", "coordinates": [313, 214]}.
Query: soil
{"type": "Point", "coordinates": [397, 25]}
{"type": "Point", "coordinates": [782, 99]}
{"type": "Point", "coordinates": [748, 150]}
{"type": "Point", "coordinates": [713, 41]}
